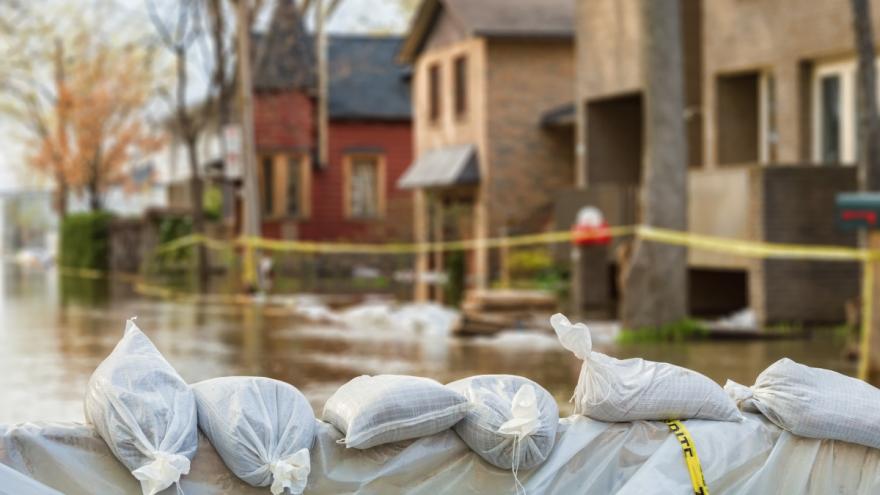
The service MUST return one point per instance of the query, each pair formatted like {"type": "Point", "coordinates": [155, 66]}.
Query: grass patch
{"type": "Point", "coordinates": [686, 329]}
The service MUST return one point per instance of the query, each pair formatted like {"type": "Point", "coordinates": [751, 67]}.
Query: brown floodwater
{"type": "Point", "coordinates": [53, 335]}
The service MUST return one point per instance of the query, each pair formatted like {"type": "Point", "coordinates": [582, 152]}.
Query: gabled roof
{"type": "Point", "coordinates": [286, 56]}
{"type": "Point", "coordinates": [493, 18]}
{"type": "Point", "coordinates": [365, 79]}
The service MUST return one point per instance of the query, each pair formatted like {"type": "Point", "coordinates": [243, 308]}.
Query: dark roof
{"type": "Point", "coordinates": [286, 56]}
{"type": "Point", "coordinates": [365, 79]}
{"type": "Point", "coordinates": [493, 18]}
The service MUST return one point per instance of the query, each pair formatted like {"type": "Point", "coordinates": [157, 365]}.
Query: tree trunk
{"type": "Point", "coordinates": [869, 124]}
{"type": "Point", "coordinates": [655, 282]}
{"type": "Point", "coordinates": [94, 187]}
{"type": "Point", "coordinates": [198, 216]}
{"type": "Point", "coordinates": [61, 195]}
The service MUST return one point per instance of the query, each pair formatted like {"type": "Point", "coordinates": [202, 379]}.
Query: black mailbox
{"type": "Point", "coordinates": [860, 210]}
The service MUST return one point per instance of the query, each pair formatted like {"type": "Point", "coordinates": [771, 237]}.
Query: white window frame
{"type": "Point", "coordinates": [846, 71]}
{"type": "Point", "coordinates": [767, 134]}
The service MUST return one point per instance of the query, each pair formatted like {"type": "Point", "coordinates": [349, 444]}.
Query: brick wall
{"type": "Point", "coordinates": [283, 120]}
{"type": "Point", "coordinates": [796, 205]}
{"type": "Point", "coordinates": [528, 165]}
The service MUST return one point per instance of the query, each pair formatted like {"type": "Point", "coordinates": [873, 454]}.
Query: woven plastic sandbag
{"type": "Point", "coordinates": [512, 420]}
{"type": "Point", "coordinates": [611, 389]}
{"type": "Point", "coordinates": [262, 429]}
{"type": "Point", "coordinates": [374, 410]}
{"type": "Point", "coordinates": [813, 402]}
{"type": "Point", "coordinates": [144, 411]}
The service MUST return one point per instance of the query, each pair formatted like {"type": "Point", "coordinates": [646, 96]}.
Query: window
{"type": "Point", "coordinates": [434, 92]}
{"type": "Point", "coordinates": [284, 186]}
{"type": "Point", "coordinates": [829, 118]}
{"type": "Point", "coordinates": [268, 182]}
{"type": "Point", "coordinates": [461, 86]}
{"type": "Point", "coordinates": [364, 186]}
{"type": "Point", "coordinates": [835, 125]}
{"type": "Point", "coordinates": [294, 187]}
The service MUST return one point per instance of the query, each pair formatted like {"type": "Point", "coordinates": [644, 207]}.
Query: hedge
{"type": "Point", "coordinates": [85, 240]}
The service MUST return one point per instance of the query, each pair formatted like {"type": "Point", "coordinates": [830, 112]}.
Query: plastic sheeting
{"type": "Point", "coordinates": [593, 457]}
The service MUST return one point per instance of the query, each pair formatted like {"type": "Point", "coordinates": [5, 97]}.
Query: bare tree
{"type": "Point", "coordinates": [178, 36]}
{"type": "Point", "coordinates": [655, 283]}
{"type": "Point", "coordinates": [869, 123]}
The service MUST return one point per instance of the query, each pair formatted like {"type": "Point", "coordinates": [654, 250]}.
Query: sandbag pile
{"type": "Point", "coordinates": [144, 411]}
{"type": "Point", "coordinates": [614, 390]}
{"type": "Point", "coordinates": [264, 430]}
{"type": "Point", "coordinates": [512, 420]}
{"type": "Point", "coordinates": [813, 402]}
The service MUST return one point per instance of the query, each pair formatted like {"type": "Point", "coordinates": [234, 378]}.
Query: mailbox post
{"type": "Point", "coordinates": [861, 211]}
{"type": "Point", "coordinates": [589, 255]}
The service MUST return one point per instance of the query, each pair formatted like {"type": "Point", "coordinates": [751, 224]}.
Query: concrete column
{"type": "Point", "coordinates": [481, 232]}
{"type": "Point", "coordinates": [420, 233]}
{"type": "Point", "coordinates": [591, 284]}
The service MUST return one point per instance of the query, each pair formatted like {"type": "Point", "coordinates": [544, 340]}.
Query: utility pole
{"type": "Point", "coordinates": [62, 104]}
{"type": "Point", "coordinates": [251, 193]}
{"type": "Point", "coordinates": [321, 56]}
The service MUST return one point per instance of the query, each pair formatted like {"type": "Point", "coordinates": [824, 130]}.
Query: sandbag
{"type": "Point", "coordinates": [263, 429]}
{"type": "Point", "coordinates": [611, 389]}
{"type": "Point", "coordinates": [813, 402]}
{"type": "Point", "coordinates": [512, 420]}
{"type": "Point", "coordinates": [374, 410]}
{"type": "Point", "coordinates": [144, 411]}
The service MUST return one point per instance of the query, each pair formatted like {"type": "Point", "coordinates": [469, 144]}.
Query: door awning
{"type": "Point", "coordinates": [442, 167]}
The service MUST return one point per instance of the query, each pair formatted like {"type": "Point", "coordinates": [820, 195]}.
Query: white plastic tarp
{"type": "Point", "coordinates": [753, 456]}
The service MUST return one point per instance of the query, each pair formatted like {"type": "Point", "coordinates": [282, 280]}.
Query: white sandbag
{"type": "Point", "coordinates": [813, 402]}
{"type": "Point", "coordinates": [263, 429]}
{"type": "Point", "coordinates": [374, 410]}
{"type": "Point", "coordinates": [144, 411]}
{"type": "Point", "coordinates": [611, 389]}
{"type": "Point", "coordinates": [512, 421]}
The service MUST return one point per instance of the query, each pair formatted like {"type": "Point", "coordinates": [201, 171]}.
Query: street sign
{"type": "Point", "coordinates": [858, 210]}
{"type": "Point", "coordinates": [232, 150]}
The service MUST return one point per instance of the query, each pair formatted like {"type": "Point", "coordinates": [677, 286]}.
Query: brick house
{"type": "Point", "coordinates": [770, 115]}
{"type": "Point", "coordinates": [484, 75]}
{"type": "Point", "coordinates": [353, 196]}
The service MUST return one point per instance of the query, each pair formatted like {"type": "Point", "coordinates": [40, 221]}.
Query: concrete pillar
{"type": "Point", "coordinates": [420, 233]}
{"type": "Point", "coordinates": [591, 284]}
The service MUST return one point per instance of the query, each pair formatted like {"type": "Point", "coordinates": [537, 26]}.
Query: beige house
{"type": "Point", "coordinates": [771, 118]}
{"type": "Point", "coordinates": [490, 78]}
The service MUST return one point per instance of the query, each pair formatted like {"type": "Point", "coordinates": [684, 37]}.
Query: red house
{"type": "Point", "coordinates": [352, 196]}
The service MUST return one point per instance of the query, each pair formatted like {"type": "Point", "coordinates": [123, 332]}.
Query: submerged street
{"type": "Point", "coordinates": [51, 341]}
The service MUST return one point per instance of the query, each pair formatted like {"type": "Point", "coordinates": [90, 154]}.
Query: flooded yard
{"type": "Point", "coordinates": [51, 340]}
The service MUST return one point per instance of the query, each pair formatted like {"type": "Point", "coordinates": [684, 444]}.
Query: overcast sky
{"type": "Point", "coordinates": [352, 16]}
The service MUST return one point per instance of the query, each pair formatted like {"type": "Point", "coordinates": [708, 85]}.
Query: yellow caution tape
{"type": "Point", "coordinates": [737, 247]}
{"type": "Point", "coordinates": [695, 470]}
{"type": "Point", "coordinates": [754, 249]}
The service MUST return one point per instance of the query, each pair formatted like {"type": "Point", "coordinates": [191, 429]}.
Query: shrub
{"type": "Point", "coordinates": [85, 240]}
{"type": "Point", "coordinates": [685, 329]}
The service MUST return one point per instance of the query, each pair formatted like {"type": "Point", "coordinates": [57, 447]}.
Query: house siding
{"type": "Point", "coordinates": [392, 140]}
{"type": "Point", "coordinates": [284, 122]}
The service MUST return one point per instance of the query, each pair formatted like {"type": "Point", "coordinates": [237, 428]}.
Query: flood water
{"type": "Point", "coordinates": [52, 339]}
